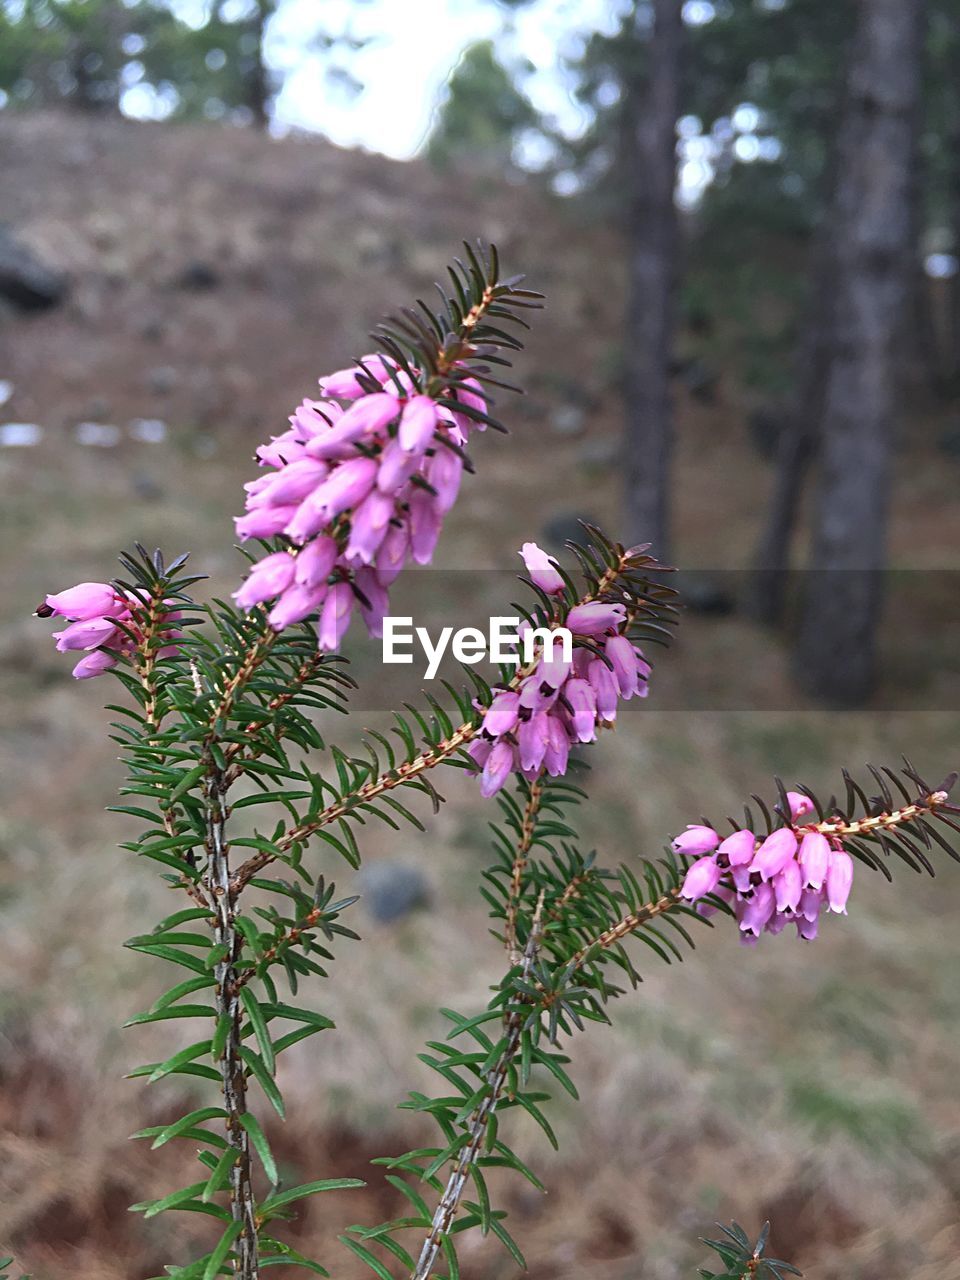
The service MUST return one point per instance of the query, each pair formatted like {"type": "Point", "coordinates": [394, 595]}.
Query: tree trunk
{"type": "Point", "coordinates": [872, 257]}
{"type": "Point", "coordinates": [651, 109]}
{"type": "Point", "coordinates": [258, 86]}
{"type": "Point", "coordinates": [797, 445]}
{"type": "Point", "coordinates": [950, 344]}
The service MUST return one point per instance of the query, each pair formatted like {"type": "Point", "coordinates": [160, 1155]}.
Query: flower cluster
{"type": "Point", "coordinates": [534, 722]}
{"type": "Point", "coordinates": [792, 875]}
{"type": "Point", "coordinates": [359, 483]}
{"type": "Point", "coordinates": [105, 624]}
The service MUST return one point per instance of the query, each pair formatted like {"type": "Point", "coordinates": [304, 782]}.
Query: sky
{"type": "Point", "coordinates": [412, 50]}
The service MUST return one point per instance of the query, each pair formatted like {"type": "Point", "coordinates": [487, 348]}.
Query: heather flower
{"type": "Point", "coordinates": [738, 849]}
{"type": "Point", "coordinates": [795, 874]}
{"type": "Point", "coordinates": [86, 600]}
{"type": "Point", "coordinates": [369, 527]}
{"type": "Point", "coordinates": [444, 472]}
{"type": "Point", "coordinates": [336, 615]}
{"type": "Point", "coordinates": [268, 578]}
{"type": "Point", "coordinates": [754, 913]}
{"type": "Point", "coordinates": [359, 483]}
{"type": "Point", "coordinates": [558, 748]}
{"type": "Point", "coordinates": [496, 770]}
{"type": "Point", "coordinates": [366, 417]}
{"type": "Point", "coordinates": [605, 689]}
{"type": "Point", "coordinates": [502, 713]}
{"type": "Point", "coordinates": [774, 853]}
{"type": "Point", "coordinates": [701, 879]}
{"type": "Point", "coordinates": [814, 859]}
{"type": "Point", "coordinates": [569, 691]}
{"type": "Point", "coordinates": [623, 659]}
{"type": "Point", "coordinates": [93, 611]}
{"type": "Point", "coordinates": [801, 806]}
{"type": "Point", "coordinates": [290, 485]}
{"type": "Point", "coordinates": [263, 522]}
{"type": "Point", "coordinates": [839, 880]}
{"type": "Point", "coordinates": [788, 887]}
{"type": "Point", "coordinates": [86, 634]}
{"type": "Point", "coordinates": [540, 567]}
{"type": "Point", "coordinates": [373, 599]}
{"type": "Point", "coordinates": [296, 603]}
{"type": "Point", "coordinates": [583, 709]}
{"type": "Point", "coordinates": [315, 561]}
{"type": "Point", "coordinates": [417, 424]}
{"type": "Point", "coordinates": [696, 840]}
{"type": "Point", "coordinates": [393, 551]}
{"type": "Point", "coordinates": [94, 664]}
{"type": "Point", "coordinates": [532, 738]}
{"type": "Point", "coordinates": [396, 467]}
{"type": "Point", "coordinates": [425, 523]}
{"type": "Point", "coordinates": [596, 617]}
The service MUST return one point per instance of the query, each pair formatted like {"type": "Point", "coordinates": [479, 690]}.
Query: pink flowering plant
{"type": "Point", "coordinates": [225, 711]}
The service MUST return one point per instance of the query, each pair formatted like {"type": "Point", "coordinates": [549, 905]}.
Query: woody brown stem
{"type": "Point", "coordinates": [881, 821]}
{"type": "Point", "coordinates": [289, 939]}
{"type": "Point", "coordinates": [643, 915]}
{"type": "Point", "coordinates": [233, 1081]}
{"type": "Point", "coordinates": [307, 668]}
{"type": "Point", "coordinates": [527, 829]}
{"type": "Point", "coordinates": [496, 1079]}
{"type": "Point", "coordinates": [369, 791]}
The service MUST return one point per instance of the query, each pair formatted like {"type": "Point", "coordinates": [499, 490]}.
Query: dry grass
{"type": "Point", "coordinates": [815, 1085]}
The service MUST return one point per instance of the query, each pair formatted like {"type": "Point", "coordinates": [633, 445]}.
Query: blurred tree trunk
{"type": "Point", "coordinates": [258, 95]}
{"type": "Point", "coordinates": [952, 325]}
{"type": "Point", "coordinates": [651, 110]}
{"type": "Point", "coordinates": [797, 444]}
{"type": "Point", "coordinates": [872, 256]}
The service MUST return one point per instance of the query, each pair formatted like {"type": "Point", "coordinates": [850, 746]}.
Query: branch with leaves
{"type": "Point", "coordinates": [242, 796]}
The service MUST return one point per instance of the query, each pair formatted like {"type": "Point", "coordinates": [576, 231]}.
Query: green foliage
{"type": "Point", "coordinates": [54, 50]}
{"type": "Point", "coordinates": [222, 728]}
{"type": "Point", "coordinates": [482, 114]}
{"type": "Point", "coordinates": [209, 63]}
{"type": "Point", "coordinates": [743, 1260]}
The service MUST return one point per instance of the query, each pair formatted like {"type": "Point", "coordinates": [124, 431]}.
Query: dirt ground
{"type": "Point", "coordinates": [214, 276]}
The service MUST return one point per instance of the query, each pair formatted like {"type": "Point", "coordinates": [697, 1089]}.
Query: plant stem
{"type": "Point", "coordinates": [228, 1004]}
{"type": "Point", "coordinates": [527, 831]}
{"type": "Point", "coordinates": [447, 1208]}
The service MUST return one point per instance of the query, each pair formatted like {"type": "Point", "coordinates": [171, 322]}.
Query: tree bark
{"type": "Point", "coordinates": [796, 447]}
{"type": "Point", "coordinates": [228, 1005]}
{"type": "Point", "coordinates": [652, 108]}
{"type": "Point", "coordinates": [872, 256]}
{"type": "Point", "coordinates": [259, 75]}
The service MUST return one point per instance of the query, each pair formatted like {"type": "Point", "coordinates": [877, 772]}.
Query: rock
{"type": "Point", "coordinates": [97, 409]}
{"type": "Point", "coordinates": [162, 380]}
{"type": "Point", "coordinates": [566, 527]}
{"type": "Point", "coordinates": [701, 593]}
{"type": "Point", "coordinates": [391, 888]}
{"type": "Point", "coordinates": [145, 487]}
{"type": "Point", "coordinates": [25, 281]}
{"type": "Point", "coordinates": [199, 276]}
